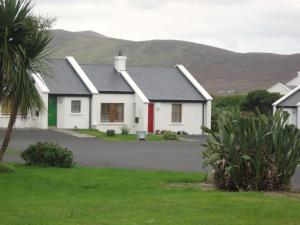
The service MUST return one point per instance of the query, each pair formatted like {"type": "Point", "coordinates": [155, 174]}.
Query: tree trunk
{"type": "Point", "coordinates": [8, 132]}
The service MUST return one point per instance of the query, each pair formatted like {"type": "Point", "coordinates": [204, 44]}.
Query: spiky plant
{"type": "Point", "coordinates": [252, 151]}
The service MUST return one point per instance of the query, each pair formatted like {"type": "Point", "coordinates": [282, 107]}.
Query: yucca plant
{"type": "Point", "coordinates": [252, 151]}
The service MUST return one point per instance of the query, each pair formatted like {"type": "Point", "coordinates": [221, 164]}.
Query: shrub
{"type": "Point", "coordinates": [48, 154]}
{"type": "Point", "coordinates": [229, 101]}
{"type": "Point", "coordinates": [124, 130]}
{"type": "Point", "coordinates": [169, 135]}
{"type": "Point", "coordinates": [252, 152]}
{"type": "Point", "coordinates": [261, 100]}
{"type": "Point", "coordinates": [111, 133]}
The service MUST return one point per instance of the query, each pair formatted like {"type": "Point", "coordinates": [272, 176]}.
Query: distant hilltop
{"type": "Point", "coordinates": [220, 71]}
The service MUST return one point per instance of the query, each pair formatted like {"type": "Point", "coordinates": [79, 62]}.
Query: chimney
{"type": "Point", "coordinates": [120, 62]}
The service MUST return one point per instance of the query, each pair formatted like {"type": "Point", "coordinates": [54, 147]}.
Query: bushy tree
{"type": "Point", "coordinates": [229, 101]}
{"type": "Point", "coordinates": [261, 100]}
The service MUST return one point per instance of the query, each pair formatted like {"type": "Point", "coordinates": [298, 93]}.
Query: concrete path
{"type": "Point", "coordinates": [175, 156]}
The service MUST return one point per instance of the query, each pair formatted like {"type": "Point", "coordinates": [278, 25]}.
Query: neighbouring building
{"type": "Point", "coordinates": [112, 96]}
{"type": "Point", "coordinates": [287, 87]}
{"type": "Point", "coordinates": [290, 103]}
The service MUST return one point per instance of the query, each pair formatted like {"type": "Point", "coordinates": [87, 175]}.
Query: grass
{"type": "Point", "coordinates": [13, 152]}
{"type": "Point", "coordinates": [117, 137]}
{"type": "Point", "coordinates": [89, 196]}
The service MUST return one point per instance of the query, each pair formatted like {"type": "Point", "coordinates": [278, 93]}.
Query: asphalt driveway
{"type": "Point", "coordinates": [176, 156]}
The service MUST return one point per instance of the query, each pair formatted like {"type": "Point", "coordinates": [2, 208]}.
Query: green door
{"type": "Point", "coordinates": [52, 111]}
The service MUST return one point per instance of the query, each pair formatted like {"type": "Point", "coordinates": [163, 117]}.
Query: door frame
{"type": "Point", "coordinates": [50, 124]}
{"type": "Point", "coordinates": [150, 117]}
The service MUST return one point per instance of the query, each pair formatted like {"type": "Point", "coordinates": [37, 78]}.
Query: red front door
{"type": "Point", "coordinates": [150, 117]}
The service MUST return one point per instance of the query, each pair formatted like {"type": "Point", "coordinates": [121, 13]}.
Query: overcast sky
{"type": "Point", "coordinates": [238, 25]}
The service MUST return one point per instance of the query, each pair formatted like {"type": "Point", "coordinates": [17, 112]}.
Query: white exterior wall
{"type": "Point", "coordinates": [141, 112]}
{"type": "Point", "coordinates": [278, 88]}
{"type": "Point", "coordinates": [293, 115]}
{"type": "Point", "coordinates": [32, 121]}
{"type": "Point", "coordinates": [68, 120]}
{"type": "Point", "coordinates": [129, 115]}
{"type": "Point", "coordinates": [192, 116]}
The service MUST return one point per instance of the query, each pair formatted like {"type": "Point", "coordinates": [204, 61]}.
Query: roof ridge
{"type": "Point", "coordinates": [91, 64]}
{"type": "Point", "coordinates": [54, 59]}
{"type": "Point", "coordinates": [152, 67]}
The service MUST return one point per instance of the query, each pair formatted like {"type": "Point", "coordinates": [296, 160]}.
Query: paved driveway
{"type": "Point", "coordinates": [176, 156]}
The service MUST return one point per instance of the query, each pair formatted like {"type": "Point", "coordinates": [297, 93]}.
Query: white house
{"type": "Point", "coordinates": [290, 103]}
{"type": "Point", "coordinates": [287, 87]}
{"type": "Point", "coordinates": [110, 97]}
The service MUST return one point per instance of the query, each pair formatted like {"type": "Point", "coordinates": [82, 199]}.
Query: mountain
{"type": "Point", "coordinates": [216, 69]}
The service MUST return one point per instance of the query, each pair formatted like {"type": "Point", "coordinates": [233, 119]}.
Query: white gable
{"type": "Point", "coordinates": [279, 88]}
{"type": "Point", "coordinates": [295, 81]}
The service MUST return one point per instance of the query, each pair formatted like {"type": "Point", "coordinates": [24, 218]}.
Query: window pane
{"type": "Point", "coordinates": [112, 112]}
{"type": "Point", "coordinates": [5, 110]}
{"type": "Point", "coordinates": [176, 113]}
{"type": "Point", "coordinates": [76, 106]}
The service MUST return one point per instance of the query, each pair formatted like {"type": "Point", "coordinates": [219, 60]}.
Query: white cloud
{"type": "Point", "coordinates": [239, 25]}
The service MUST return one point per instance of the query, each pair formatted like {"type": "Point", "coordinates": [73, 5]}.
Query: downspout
{"type": "Point", "coordinates": [203, 115]}
{"type": "Point", "coordinates": [90, 111]}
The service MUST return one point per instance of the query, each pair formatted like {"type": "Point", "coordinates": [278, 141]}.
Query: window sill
{"type": "Point", "coordinates": [111, 123]}
{"type": "Point", "coordinates": [176, 124]}
{"type": "Point", "coordinates": [76, 114]}
{"type": "Point", "coordinates": [19, 116]}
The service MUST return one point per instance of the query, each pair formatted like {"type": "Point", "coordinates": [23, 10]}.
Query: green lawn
{"type": "Point", "coordinates": [89, 196]}
{"type": "Point", "coordinates": [118, 137]}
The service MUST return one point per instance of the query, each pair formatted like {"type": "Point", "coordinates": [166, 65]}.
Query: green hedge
{"type": "Point", "coordinates": [48, 154]}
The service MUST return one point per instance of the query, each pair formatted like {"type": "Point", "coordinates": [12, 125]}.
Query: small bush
{"type": "Point", "coordinates": [48, 154]}
{"type": "Point", "coordinates": [169, 135]}
{"type": "Point", "coordinates": [110, 133]}
{"type": "Point", "coordinates": [124, 130]}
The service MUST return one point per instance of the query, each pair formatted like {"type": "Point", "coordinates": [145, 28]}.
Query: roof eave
{"type": "Point", "coordinates": [286, 96]}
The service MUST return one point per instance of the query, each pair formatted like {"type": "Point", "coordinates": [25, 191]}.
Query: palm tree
{"type": "Point", "coordinates": [24, 40]}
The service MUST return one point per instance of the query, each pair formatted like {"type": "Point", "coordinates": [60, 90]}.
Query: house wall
{"type": "Point", "coordinates": [32, 120]}
{"type": "Point", "coordinates": [192, 116]}
{"type": "Point", "coordinates": [129, 113]}
{"type": "Point", "coordinates": [68, 120]}
{"type": "Point", "coordinates": [277, 88]}
{"type": "Point", "coordinates": [293, 115]}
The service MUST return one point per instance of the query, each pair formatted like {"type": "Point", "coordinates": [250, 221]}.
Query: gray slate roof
{"type": "Point", "coordinates": [291, 101]}
{"type": "Point", "coordinates": [106, 79]}
{"type": "Point", "coordinates": [291, 87]}
{"type": "Point", "coordinates": [164, 84]}
{"type": "Point", "coordinates": [63, 80]}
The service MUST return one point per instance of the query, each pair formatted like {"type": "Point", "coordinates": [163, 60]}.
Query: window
{"type": "Point", "coordinates": [5, 110]}
{"type": "Point", "coordinates": [75, 106]}
{"type": "Point", "coordinates": [112, 112]}
{"type": "Point", "coordinates": [176, 113]}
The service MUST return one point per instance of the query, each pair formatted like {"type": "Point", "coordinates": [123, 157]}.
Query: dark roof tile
{"type": "Point", "coordinates": [63, 80]}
